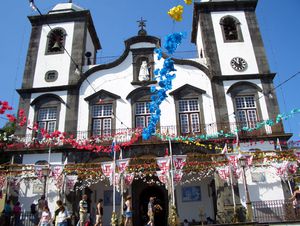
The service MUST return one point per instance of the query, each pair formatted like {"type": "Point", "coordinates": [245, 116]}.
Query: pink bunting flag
{"type": "Point", "coordinates": [129, 178]}
{"type": "Point", "coordinates": [70, 182]}
{"type": "Point", "coordinates": [122, 165]}
{"type": "Point", "coordinates": [179, 161]}
{"type": "Point", "coordinates": [163, 163]}
{"type": "Point", "coordinates": [107, 168]}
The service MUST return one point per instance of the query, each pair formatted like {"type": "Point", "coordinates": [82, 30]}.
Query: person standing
{"type": "Point", "coordinates": [7, 213]}
{"type": "Point", "coordinates": [296, 200]}
{"type": "Point", "coordinates": [62, 217]}
{"type": "Point", "coordinates": [99, 213]}
{"type": "Point", "coordinates": [42, 202]}
{"type": "Point", "coordinates": [17, 213]}
{"type": "Point", "coordinates": [59, 203]}
{"type": "Point", "coordinates": [128, 212]}
{"type": "Point", "coordinates": [83, 210]}
{"type": "Point", "coordinates": [150, 212]}
{"type": "Point", "coordinates": [46, 217]}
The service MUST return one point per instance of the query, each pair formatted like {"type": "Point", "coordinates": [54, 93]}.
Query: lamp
{"type": "Point", "coordinates": [45, 173]}
{"type": "Point", "coordinates": [243, 164]}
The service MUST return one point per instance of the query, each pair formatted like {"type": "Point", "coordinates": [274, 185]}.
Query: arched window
{"type": "Point", "coordinates": [246, 105]}
{"type": "Point", "coordinates": [188, 103]}
{"type": "Point", "coordinates": [102, 106]}
{"type": "Point", "coordinates": [47, 108]}
{"type": "Point", "coordinates": [56, 41]}
{"type": "Point", "coordinates": [140, 100]}
{"type": "Point", "coordinates": [231, 29]}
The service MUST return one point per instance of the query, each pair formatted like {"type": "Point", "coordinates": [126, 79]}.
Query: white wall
{"type": "Point", "coordinates": [118, 81]}
{"type": "Point", "coordinates": [229, 50]}
{"type": "Point", "coordinates": [62, 114]}
{"type": "Point", "coordinates": [26, 195]}
{"type": "Point", "coordinates": [191, 210]}
{"type": "Point", "coordinates": [271, 189]}
{"type": "Point", "coordinates": [58, 62]}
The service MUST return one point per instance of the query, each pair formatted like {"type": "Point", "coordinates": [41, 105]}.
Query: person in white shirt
{"type": "Point", "coordinates": [62, 217]}
{"type": "Point", "coordinates": [46, 217]}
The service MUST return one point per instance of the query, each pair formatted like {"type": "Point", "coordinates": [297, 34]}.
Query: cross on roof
{"type": "Point", "coordinates": [142, 23]}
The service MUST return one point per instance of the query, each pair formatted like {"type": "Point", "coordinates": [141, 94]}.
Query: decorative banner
{"type": "Point", "coordinates": [59, 182]}
{"type": "Point", "coordinates": [56, 171]}
{"type": "Point", "coordinates": [179, 161]}
{"type": "Point", "coordinates": [70, 182]}
{"type": "Point", "coordinates": [233, 160]}
{"type": "Point", "coordinates": [223, 172]}
{"type": "Point", "coordinates": [163, 178]}
{"type": "Point", "coordinates": [128, 178]}
{"type": "Point", "coordinates": [107, 168]}
{"type": "Point", "coordinates": [177, 176]}
{"type": "Point", "coordinates": [249, 160]}
{"type": "Point", "coordinates": [14, 184]}
{"type": "Point", "coordinates": [164, 164]}
{"type": "Point", "coordinates": [122, 165]}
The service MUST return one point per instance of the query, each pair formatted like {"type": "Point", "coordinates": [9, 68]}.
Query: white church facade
{"type": "Point", "coordinates": [227, 87]}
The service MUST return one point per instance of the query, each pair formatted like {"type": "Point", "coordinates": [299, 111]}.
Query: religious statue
{"type": "Point", "coordinates": [144, 72]}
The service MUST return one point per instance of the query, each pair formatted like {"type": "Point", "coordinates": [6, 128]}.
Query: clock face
{"type": "Point", "coordinates": [238, 64]}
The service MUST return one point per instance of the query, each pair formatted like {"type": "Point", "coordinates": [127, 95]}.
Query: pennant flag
{"type": "Point", "coordinates": [225, 150]}
{"type": "Point", "coordinates": [163, 163]}
{"type": "Point", "coordinates": [278, 146]}
{"type": "Point", "coordinates": [70, 182]}
{"type": "Point", "coordinates": [179, 161]}
{"type": "Point", "coordinates": [122, 165]}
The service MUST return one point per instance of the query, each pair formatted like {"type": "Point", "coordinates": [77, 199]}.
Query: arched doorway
{"type": "Point", "coordinates": [141, 192]}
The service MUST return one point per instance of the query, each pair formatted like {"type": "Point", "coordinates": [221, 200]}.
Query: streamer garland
{"type": "Point", "coordinates": [164, 77]}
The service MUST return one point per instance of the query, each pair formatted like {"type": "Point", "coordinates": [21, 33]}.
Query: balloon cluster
{"type": "Point", "coordinates": [176, 13]}
{"type": "Point", "coordinates": [165, 77]}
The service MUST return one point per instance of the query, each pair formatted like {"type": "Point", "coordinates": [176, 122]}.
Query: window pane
{"type": "Point", "coordinates": [239, 102]}
{"type": "Point", "coordinates": [195, 122]}
{"type": "Point", "coordinates": [242, 118]}
{"type": "Point", "coordinates": [250, 102]}
{"type": "Point", "coordinates": [252, 118]}
{"type": "Point", "coordinates": [140, 108]}
{"type": "Point", "coordinates": [97, 111]}
{"type": "Point", "coordinates": [183, 106]}
{"type": "Point", "coordinates": [96, 127]}
{"type": "Point", "coordinates": [184, 123]}
{"type": "Point", "coordinates": [42, 115]}
{"type": "Point", "coordinates": [52, 113]}
{"type": "Point", "coordinates": [107, 126]}
{"type": "Point", "coordinates": [107, 110]}
{"type": "Point", "coordinates": [193, 105]}
{"type": "Point", "coordinates": [140, 122]}
{"type": "Point", "coordinates": [51, 126]}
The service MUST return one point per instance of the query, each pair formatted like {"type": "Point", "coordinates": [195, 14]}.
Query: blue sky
{"type": "Point", "coordinates": [115, 21]}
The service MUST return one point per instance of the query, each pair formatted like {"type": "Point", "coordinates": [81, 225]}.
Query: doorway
{"type": "Point", "coordinates": [141, 192]}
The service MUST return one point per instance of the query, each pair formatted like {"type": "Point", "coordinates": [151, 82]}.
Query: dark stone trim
{"type": "Point", "coordinates": [71, 118]}
{"type": "Point", "coordinates": [47, 89]}
{"type": "Point", "coordinates": [31, 58]}
{"type": "Point", "coordinates": [51, 80]}
{"type": "Point", "coordinates": [102, 92]}
{"type": "Point", "coordinates": [78, 50]}
{"type": "Point", "coordinates": [271, 103]}
{"type": "Point", "coordinates": [190, 63]}
{"type": "Point", "coordinates": [187, 87]}
{"type": "Point", "coordinates": [138, 39]}
{"type": "Point", "coordinates": [139, 92]}
{"type": "Point", "coordinates": [144, 83]}
{"type": "Point", "coordinates": [47, 95]}
{"type": "Point", "coordinates": [257, 42]}
{"type": "Point", "coordinates": [83, 15]}
{"type": "Point", "coordinates": [118, 61]}
{"type": "Point", "coordinates": [24, 103]}
{"type": "Point", "coordinates": [237, 84]}
{"type": "Point", "coordinates": [207, 7]}
{"type": "Point", "coordinates": [244, 77]}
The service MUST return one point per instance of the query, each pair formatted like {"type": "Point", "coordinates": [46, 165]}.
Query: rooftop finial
{"type": "Point", "coordinates": [142, 24]}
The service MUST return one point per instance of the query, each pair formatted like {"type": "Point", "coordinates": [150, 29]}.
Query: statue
{"type": "Point", "coordinates": [144, 72]}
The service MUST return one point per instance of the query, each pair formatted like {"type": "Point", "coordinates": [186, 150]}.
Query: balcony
{"type": "Point", "coordinates": [274, 211]}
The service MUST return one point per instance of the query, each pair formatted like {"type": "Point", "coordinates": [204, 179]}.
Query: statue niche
{"type": "Point", "coordinates": [144, 72]}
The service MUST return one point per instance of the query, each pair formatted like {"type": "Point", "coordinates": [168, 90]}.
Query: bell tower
{"type": "Point", "coordinates": [227, 36]}
{"type": "Point", "coordinates": [61, 44]}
